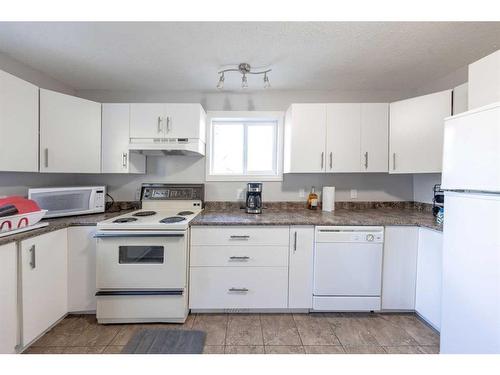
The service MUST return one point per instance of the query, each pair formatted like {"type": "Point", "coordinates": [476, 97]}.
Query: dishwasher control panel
{"type": "Point", "coordinates": [350, 234]}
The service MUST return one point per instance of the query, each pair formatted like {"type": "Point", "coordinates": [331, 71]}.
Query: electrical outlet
{"type": "Point", "coordinates": [239, 194]}
{"type": "Point", "coordinates": [302, 193]}
{"type": "Point", "coordinates": [354, 193]}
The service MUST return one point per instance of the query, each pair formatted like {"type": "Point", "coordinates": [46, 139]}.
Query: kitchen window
{"type": "Point", "coordinates": [244, 146]}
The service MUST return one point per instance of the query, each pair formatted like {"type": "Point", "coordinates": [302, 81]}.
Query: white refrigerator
{"type": "Point", "coordinates": [470, 321]}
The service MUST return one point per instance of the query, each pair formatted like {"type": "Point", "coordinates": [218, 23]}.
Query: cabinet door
{"type": "Point", "coordinates": [429, 274]}
{"type": "Point", "coordinates": [300, 271]}
{"type": "Point", "coordinates": [343, 136]}
{"type": "Point", "coordinates": [399, 268]}
{"type": "Point", "coordinates": [484, 81]}
{"type": "Point", "coordinates": [185, 121]}
{"type": "Point", "coordinates": [44, 287]}
{"type": "Point", "coordinates": [8, 299]}
{"type": "Point", "coordinates": [116, 157]}
{"type": "Point", "coordinates": [374, 137]}
{"type": "Point", "coordinates": [416, 133]}
{"type": "Point", "coordinates": [81, 269]}
{"type": "Point", "coordinates": [18, 124]}
{"type": "Point", "coordinates": [70, 134]}
{"type": "Point", "coordinates": [147, 120]}
{"type": "Point", "coordinates": [305, 131]}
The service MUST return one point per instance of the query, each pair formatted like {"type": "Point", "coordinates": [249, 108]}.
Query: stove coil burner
{"type": "Point", "coordinates": [172, 219]}
{"type": "Point", "coordinates": [184, 213]}
{"type": "Point", "coordinates": [125, 220]}
{"type": "Point", "coordinates": [145, 213]}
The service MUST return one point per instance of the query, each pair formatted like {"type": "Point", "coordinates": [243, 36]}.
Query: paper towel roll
{"type": "Point", "coordinates": [328, 198]}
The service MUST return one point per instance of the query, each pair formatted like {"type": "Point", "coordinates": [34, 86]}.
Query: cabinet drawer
{"type": "Point", "coordinates": [238, 288]}
{"type": "Point", "coordinates": [238, 256]}
{"type": "Point", "coordinates": [240, 235]}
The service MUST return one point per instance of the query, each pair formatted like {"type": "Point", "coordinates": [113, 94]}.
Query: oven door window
{"type": "Point", "coordinates": [141, 254]}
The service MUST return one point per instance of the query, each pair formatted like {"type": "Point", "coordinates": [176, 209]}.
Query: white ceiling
{"type": "Point", "coordinates": [172, 56]}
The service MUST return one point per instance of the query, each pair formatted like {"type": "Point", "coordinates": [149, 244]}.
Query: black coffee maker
{"type": "Point", "coordinates": [254, 198]}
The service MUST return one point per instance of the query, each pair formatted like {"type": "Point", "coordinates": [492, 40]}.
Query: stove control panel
{"type": "Point", "coordinates": [173, 192]}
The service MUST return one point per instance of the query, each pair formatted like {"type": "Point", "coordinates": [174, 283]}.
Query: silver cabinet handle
{"type": "Point", "coordinates": [159, 124]}
{"type": "Point", "coordinates": [168, 124]}
{"type": "Point", "coordinates": [124, 159]}
{"type": "Point", "coordinates": [234, 237]}
{"type": "Point", "coordinates": [295, 242]}
{"type": "Point", "coordinates": [243, 258]}
{"type": "Point", "coordinates": [322, 159]}
{"type": "Point", "coordinates": [366, 160]}
{"type": "Point", "coordinates": [32, 257]}
{"type": "Point", "coordinates": [331, 160]}
{"type": "Point", "coordinates": [238, 290]}
{"type": "Point", "coordinates": [46, 157]}
{"type": "Point", "coordinates": [394, 161]}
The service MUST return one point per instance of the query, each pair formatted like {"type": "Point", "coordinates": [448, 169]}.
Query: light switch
{"type": "Point", "coordinates": [354, 193]}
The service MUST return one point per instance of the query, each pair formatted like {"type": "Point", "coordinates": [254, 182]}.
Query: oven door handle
{"type": "Point", "coordinates": [151, 234]}
{"type": "Point", "coordinates": [171, 292]}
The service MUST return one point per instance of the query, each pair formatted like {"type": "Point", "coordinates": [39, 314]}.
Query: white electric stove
{"type": "Point", "coordinates": [142, 257]}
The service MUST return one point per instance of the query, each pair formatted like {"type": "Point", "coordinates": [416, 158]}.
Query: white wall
{"type": "Point", "coordinates": [422, 186]}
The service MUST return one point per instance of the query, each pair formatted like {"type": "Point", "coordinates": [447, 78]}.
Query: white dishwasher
{"type": "Point", "coordinates": [348, 268]}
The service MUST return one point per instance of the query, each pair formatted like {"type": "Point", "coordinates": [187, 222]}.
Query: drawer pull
{"type": "Point", "coordinates": [234, 237]}
{"type": "Point", "coordinates": [239, 258]}
{"type": "Point", "coordinates": [238, 290]}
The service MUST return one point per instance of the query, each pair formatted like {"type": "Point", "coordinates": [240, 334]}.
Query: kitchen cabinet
{"type": "Point", "coordinates": [374, 137]}
{"type": "Point", "coordinates": [399, 268]}
{"type": "Point", "coordinates": [44, 283]}
{"type": "Point", "coordinates": [8, 299]}
{"type": "Point", "coordinates": [356, 138]}
{"type": "Point", "coordinates": [70, 134]}
{"type": "Point", "coordinates": [81, 269]}
{"type": "Point", "coordinates": [429, 274]}
{"type": "Point", "coordinates": [300, 267]}
{"type": "Point", "coordinates": [240, 267]}
{"type": "Point", "coordinates": [416, 133]}
{"type": "Point", "coordinates": [460, 99]}
{"type": "Point", "coordinates": [165, 120]}
{"type": "Point", "coordinates": [305, 132]}
{"type": "Point", "coordinates": [116, 157]}
{"type": "Point", "coordinates": [343, 137]}
{"type": "Point", "coordinates": [18, 124]}
{"type": "Point", "coordinates": [484, 81]}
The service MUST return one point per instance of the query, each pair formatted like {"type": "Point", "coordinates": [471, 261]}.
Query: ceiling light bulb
{"type": "Point", "coordinates": [244, 82]}
{"type": "Point", "coordinates": [220, 85]}
{"type": "Point", "coordinates": [266, 81]}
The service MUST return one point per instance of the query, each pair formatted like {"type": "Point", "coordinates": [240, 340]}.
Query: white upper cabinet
{"type": "Point", "coordinates": [374, 137]}
{"type": "Point", "coordinates": [416, 133]}
{"type": "Point", "coordinates": [116, 157]}
{"type": "Point", "coordinates": [343, 137]}
{"type": "Point", "coordinates": [305, 131]}
{"type": "Point", "coordinates": [18, 124]}
{"type": "Point", "coordinates": [161, 120]}
{"type": "Point", "coordinates": [70, 134]}
{"type": "Point", "coordinates": [356, 138]}
{"type": "Point", "coordinates": [484, 81]}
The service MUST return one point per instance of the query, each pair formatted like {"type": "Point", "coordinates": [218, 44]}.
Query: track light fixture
{"type": "Point", "coordinates": [244, 69]}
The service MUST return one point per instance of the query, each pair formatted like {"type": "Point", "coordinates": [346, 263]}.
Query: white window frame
{"type": "Point", "coordinates": [245, 116]}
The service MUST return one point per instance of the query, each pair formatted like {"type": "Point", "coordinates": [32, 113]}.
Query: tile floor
{"type": "Point", "coordinates": [317, 333]}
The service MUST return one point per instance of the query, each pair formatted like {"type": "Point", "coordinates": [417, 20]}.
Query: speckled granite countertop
{"type": "Point", "coordinates": [383, 216]}
{"type": "Point", "coordinates": [60, 223]}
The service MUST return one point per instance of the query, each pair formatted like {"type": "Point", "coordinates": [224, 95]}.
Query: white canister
{"type": "Point", "coordinates": [328, 198]}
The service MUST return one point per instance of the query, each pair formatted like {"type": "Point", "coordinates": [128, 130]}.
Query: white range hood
{"type": "Point", "coordinates": [168, 146]}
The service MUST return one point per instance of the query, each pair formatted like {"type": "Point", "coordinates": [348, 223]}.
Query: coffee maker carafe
{"type": "Point", "coordinates": [254, 198]}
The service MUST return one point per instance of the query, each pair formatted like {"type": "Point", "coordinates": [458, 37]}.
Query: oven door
{"type": "Point", "coordinates": [141, 260]}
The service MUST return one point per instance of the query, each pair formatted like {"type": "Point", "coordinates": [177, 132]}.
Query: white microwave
{"type": "Point", "coordinates": [68, 201]}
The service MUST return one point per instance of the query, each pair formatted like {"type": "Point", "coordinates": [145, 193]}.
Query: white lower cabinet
{"type": "Point", "coordinates": [44, 283]}
{"type": "Point", "coordinates": [8, 299]}
{"type": "Point", "coordinates": [81, 269]}
{"type": "Point", "coordinates": [399, 268]}
{"type": "Point", "coordinates": [429, 275]}
{"type": "Point", "coordinates": [240, 267]}
{"type": "Point", "coordinates": [300, 267]}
